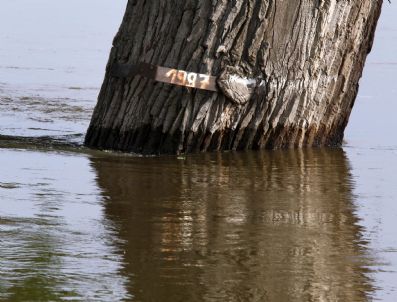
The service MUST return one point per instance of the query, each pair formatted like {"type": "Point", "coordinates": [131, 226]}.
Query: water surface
{"type": "Point", "coordinates": [80, 225]}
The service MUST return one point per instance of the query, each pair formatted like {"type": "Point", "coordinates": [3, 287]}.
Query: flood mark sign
{"type": "Point", "coordinates": [165, 75]}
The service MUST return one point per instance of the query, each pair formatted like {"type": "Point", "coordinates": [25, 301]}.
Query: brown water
{"type": "Point", "coordinates": [80, 225]}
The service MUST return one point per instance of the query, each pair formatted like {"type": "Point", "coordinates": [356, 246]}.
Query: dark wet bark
{"type": "Point", "coordinates": [310, 53]}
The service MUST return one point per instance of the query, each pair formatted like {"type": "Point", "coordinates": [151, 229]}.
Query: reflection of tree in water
{"type": "Point", "coordinates": [238, 227]}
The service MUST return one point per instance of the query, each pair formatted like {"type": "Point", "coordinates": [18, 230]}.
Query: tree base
{"type": "Point", "coordinates": [149, 141]}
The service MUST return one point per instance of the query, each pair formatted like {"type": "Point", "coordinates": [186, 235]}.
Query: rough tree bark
{"type": "Point", "coordinates": [310, 54]}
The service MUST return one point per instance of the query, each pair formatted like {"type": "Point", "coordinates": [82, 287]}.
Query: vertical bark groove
{"type": "Point", "coordinates": [310, 52]}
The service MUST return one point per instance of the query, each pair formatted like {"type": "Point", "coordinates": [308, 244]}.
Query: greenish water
{"type": "Point", "coordinates": [81, 225]}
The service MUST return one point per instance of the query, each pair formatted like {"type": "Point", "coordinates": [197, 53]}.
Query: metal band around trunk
{"type": "Point", "coordinates": [165, 75]}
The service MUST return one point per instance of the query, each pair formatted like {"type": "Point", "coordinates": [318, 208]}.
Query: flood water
{"type": "Point", "coordinates": [81, 225]}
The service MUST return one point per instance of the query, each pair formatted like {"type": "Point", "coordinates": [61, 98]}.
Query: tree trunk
{"type": "Point", "coordinates": [307, 54]}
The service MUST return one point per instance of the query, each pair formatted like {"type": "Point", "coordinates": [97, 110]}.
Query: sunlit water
{"type": "Point", "coordinates": [304, 225]}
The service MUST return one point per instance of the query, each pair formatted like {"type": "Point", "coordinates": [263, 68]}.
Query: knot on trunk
{"type": "Point", "coordinates": [240, 88]}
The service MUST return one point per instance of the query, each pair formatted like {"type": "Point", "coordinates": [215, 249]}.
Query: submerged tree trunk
{"type": "Point", "coordinates": [308, 53]}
